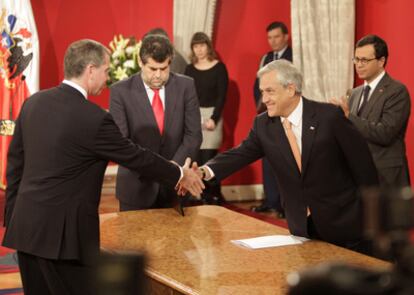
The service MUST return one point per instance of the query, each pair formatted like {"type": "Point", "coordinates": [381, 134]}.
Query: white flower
{"type": "Point", "coordinates": [117, 53]}
{"type": "Point", "coordinates": [124, 58]}
{"type": "Point", "coordinates": [130, 50]}
{"type": "Point", "coordinates": [120, 74]}
{"type": "Point", "coordinates": [129, 64]}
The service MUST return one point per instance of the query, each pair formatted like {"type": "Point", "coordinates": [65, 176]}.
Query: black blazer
{"type": "Point", "coordinates": [132, 111]}
{"type": "Point", "coordinates": [335, 163]}
{"type": "Point", "coordinates": [383, 124]}
{"type": "Point", "coordinates": [56, 163]}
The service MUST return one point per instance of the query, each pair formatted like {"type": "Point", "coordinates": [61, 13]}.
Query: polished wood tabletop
{"type": "Point", "coordinates": [193, 254]}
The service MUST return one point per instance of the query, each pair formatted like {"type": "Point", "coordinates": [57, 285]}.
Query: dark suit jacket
{"type": "Point", "coordinates": [181, 138]}
{"type": "Point", "coordinates": [335, 163]}
{"type": "Point", "coordinates": [267, 58]}
{"type": "Point", "coordinates": [383, 124]}
{"type": "Point", "coordinates": [56, 163]}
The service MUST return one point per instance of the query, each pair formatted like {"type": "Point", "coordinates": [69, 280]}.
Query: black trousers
{"type": "Point", "coordinates": [166, 198]}
{"type": "Point", "coordinates": [362, 246]}
{"type": "Point", "coordinates": [271, 191]}
{"type": "Point", "coordinates": [53, 277]}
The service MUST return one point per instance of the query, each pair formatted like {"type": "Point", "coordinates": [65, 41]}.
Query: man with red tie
{"type": "Point", "coordinates": [159, 110]}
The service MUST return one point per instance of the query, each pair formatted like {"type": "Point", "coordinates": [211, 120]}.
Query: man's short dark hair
{"type": "Point", "coordinates": [156, 31]}
{"type": "Point", "coordinates": [82, 53]}
{"type": "Point", "coordinates": [277, 25]}
{"type": "Point", "coordinates": [157, 47]}
{"type": "Point", "coordinates": [380, 46]}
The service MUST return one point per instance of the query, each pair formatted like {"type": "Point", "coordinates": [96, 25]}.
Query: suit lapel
{"type": "Point", "coordinates": [170, 101]}
{"type": "Point", "coordinates": [379, 90]}
{"type": "Point", "coordinates": [309, 129]}
{"type": "Point", "coordinates": [356, 100]}
{"type": "Point", "coordinates": [283, 143]}
{"type": "Point", "coordinates": [287, 54]}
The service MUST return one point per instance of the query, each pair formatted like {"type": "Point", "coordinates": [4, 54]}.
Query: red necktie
{"type": "Point", "coordinates": [158, 109]}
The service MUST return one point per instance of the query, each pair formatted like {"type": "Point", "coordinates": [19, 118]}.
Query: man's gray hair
{"type": "Point", "coordinates": [286, 73]}
{"type": "Point", "coordinates": [82, 53]}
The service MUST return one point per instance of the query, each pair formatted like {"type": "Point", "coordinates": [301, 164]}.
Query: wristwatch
{"type": "Point", "coordinates": [203, 173]}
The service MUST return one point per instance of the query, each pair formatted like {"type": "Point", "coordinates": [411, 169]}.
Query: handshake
{"type": "Point", "coordinates": [192, 180]}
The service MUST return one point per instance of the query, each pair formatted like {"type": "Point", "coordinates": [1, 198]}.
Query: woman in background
{"type": "Point", "coordinates": [211, 80]}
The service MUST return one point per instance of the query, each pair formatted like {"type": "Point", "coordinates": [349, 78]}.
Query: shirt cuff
{"type": "Point", "coordinates": [181, 175]}
{"type": "Point", "coordinates": [210, 171]}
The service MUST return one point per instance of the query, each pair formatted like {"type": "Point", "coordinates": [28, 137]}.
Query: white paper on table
{"type": "Point", "coordinates": [270, 241]}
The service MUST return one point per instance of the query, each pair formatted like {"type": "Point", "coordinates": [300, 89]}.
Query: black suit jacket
{"type": "Point", "coordinates": [132, 111]}
{"type": "Point", "coordinates": [383, 123]}
{"type": "Point", "coordinates": [56, 163]}
{"type": "Point", "coordinates": [335, 163]}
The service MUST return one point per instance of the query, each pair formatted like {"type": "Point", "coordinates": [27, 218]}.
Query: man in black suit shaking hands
{"type": "Point", "coordinates": [320, 160]}
{"type": "Point", "coordinates": [278, 38]}
{"type": "Point", "coordinates": [56, 163]}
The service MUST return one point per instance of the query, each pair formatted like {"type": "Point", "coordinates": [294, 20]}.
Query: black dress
{"type": "Point", "coordinates": [211, 87]}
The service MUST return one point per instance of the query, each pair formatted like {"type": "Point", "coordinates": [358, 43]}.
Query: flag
{"type": "Point", "coordinates": [19, 68]}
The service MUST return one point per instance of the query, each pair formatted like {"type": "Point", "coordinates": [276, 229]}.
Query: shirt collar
{"type": "Point", "coordinates": [295, 117]}
{"type": "Point", "coordinates": [149, 88]}
{"type": "Point", "coordinates": [280, 52]}
{"type": "Point", "coordinates": [77, 87]}
{"type": "Point", "coordinates": [375, 82]}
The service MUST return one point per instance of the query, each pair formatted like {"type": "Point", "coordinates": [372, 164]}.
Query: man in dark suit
{"type": "Point", "coordinates": [179, 134]}
{"type": "Point", "coordinates": [56, 163]}
{"type": "Point", "coordinates": [380, 110]}
{"type": "Point", "coordinates": [319, 158]}
{"type": "Point", "coordinates": [278, 37]}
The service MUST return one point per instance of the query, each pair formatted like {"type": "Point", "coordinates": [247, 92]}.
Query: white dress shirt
{"type": "Point", "coordinates": [295, 118]}
{"type": "Point", "coordinates": [150, 94]}
{"type": "Point", "coordinates": [372, 85]}
{"type": "Point", "coordinates": [77, 87]}
{"type": "Point", "coordinates": [280, 52]}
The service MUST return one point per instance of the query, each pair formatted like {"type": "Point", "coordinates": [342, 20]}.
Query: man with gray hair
{"type": "Point", "coordinates": [320, 160]}
{"type": "Point", "coordinates": [56, 163]}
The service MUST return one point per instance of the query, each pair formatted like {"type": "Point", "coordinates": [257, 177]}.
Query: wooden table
{"type": "Point", "coordinates": [193, 254]}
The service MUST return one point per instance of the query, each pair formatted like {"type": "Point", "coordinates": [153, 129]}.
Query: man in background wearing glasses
{"type": "Point", "coordinates": [380, 109]}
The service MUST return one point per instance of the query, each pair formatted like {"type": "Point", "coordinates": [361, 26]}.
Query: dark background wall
{"type": "Point", "coordinates": [239, 38]}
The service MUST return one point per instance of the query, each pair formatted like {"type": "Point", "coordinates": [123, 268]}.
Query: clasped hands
{"type": "Point", "coordinates": [192, 180]}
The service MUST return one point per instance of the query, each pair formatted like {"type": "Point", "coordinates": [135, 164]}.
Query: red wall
{"type": "Point", "coordinates": [60, 22]}
{"type": "Point", "coordinates": [392, 21]}
{"type": "Point", "coordinates": [241, 40]}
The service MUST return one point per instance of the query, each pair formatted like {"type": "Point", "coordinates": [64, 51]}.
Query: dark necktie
{"type": "Point", "coordinates": [364, 99]}
{"type": "Point", "coordinates": [275, 56]}
{"type": "Point", "coordinates": [158, 109]}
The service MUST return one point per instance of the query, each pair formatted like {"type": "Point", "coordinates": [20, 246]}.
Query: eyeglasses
{"type": "Point", "coordinates": [362, 61]}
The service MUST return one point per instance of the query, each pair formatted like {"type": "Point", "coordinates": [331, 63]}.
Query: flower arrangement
{"type": "Point", "coordinates": [124, 58]}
